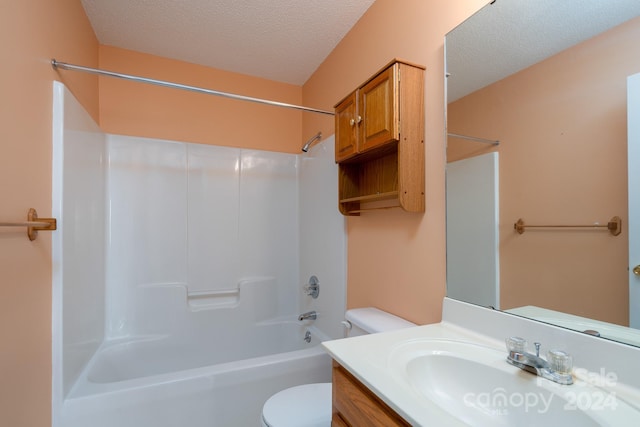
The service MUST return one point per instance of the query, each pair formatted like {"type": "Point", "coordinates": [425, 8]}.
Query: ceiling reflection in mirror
{"type": "Point", "coordinates": [537, 131]}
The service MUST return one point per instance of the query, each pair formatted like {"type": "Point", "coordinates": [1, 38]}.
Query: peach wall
{"type": "Point", "coordinates": [562, 127]}
{"type": "Point", "coordinates": [131, 108]}
{"type": "Point", "coordinates": [396, 260]}
{"type": "Point", "coordinates": [31, 33]}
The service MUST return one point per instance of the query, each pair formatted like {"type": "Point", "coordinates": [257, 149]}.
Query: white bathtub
{"type": "Point", "coordinates": [157, 382]}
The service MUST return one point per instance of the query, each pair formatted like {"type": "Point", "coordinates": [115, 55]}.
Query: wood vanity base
{"type": "Point", "coordinates": [354, 405]}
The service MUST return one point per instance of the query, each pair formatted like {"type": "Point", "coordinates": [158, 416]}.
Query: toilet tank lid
{"type": "Point", "coordinates": [373, 320]}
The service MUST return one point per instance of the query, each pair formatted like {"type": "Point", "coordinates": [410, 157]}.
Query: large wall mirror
{"type": "Point", "coordinates": [537, 135]}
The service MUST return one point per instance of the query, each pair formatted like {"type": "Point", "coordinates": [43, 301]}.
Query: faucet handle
{"type": "Point", "coordinates": [313, 287]}
{"type": "Point", "coordinates": [516, 344]}
{"type": "Point", "coordinates": [560, 361]}
{"type": "Point", "coordinates": [537, 346]}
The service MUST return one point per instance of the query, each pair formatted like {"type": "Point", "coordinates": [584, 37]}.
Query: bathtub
{"type": "Point", "coordinates": [158, 381]}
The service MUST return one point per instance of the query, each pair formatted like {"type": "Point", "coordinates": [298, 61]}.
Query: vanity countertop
{"type": "Point", "coordinates": [386, 364]}
{"type": "Point", "coordinates": [367, 358]}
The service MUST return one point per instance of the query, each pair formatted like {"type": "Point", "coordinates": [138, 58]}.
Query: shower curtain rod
{"type": "Point", "coordinates": [474, 138]}
{"type": "Point", "coordinates": [72, 67]}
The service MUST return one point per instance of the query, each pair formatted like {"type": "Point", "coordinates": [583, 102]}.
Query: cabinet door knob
{"type": "Point", "coordinates": [352, 122]}
{"type": "Point", "coordinates": [359, 119]}
{"type": "Point", "coordinates": [636, 270]}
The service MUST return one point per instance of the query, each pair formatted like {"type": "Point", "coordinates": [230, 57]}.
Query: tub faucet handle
{"type": "Point", "coordinates": [313, 287]}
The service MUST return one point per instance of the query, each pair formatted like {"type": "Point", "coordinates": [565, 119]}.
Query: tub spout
{"type": "Point", "coordinates": [308, 315]}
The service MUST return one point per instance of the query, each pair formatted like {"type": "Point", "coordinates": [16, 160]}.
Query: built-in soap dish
{"type": "Point", "coordinates": [205, 300]}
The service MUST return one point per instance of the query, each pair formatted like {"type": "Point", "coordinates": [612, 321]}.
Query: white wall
{"type": "Point", "coordinates": [473, 261]}
{"type": "Point", "coordinates": [191, 226]}
{"type": "Point", "coordinates": [633, 156]}
{"type": "Point", "coordinates": [202, 218]}
{"type": "Point", "coordinates": [78, 244]}
{"type": "Point", "coordinates": [322, 237]}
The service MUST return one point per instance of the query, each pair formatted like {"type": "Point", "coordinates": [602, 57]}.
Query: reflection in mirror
{"type": "Point", "coordinates": [548, 80]}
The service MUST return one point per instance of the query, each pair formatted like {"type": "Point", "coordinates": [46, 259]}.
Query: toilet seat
{"type": "Point", "coordinates": [307, 405]}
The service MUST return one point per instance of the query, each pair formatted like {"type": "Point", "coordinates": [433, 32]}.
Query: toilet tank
{"type": "Point", "coordinates": [370, 320]}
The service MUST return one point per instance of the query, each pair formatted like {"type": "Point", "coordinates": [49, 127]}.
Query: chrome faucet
{"type": "Point", "coordinates": [309, 315]}
{"type": "Point", "coordinates": [556, 369]}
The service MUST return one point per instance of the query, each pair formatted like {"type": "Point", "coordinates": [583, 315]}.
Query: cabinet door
{"type": "Point", "coordinates": [346, 127]}
{"type": "Point", "coordinates": [378, 106]}
{"type": "Point", "coordinates": [357, 406]}
{"type": "Point", "coordinates": [336, 421]}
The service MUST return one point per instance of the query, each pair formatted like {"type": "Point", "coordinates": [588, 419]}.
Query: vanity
{"type": "Point", "coordinates": [354, 404]}
{"type": "Point", "coordinates": [455, 373]}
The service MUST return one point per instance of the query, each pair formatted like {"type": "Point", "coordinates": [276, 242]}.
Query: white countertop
{"type": "Point", "coordinates": [366, 357]}
{"type": "Point", "coordinates": [370, 358]}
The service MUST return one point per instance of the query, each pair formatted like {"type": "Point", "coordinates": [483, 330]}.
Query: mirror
{"type": "Point", "coordinates": [536, 99]}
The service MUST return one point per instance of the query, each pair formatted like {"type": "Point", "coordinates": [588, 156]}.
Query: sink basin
{"type": "Point", "coordinates": [476, 385]}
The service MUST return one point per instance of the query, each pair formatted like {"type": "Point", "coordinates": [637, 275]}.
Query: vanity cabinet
{"type": "Point", "coordinates": [380, 141]}
{"type": "Point", "coordinates": [355, 405]}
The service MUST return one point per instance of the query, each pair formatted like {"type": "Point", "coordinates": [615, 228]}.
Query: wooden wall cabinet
{"type": "Point", "coordinates": [354, 405]}
{"type": "Point", "coordinates": [380, 142]}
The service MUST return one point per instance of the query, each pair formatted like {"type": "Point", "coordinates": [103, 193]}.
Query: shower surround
{"type": "Point", "coordinates": [178, 262]}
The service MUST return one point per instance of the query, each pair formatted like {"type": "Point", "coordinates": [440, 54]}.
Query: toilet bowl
{"type": "Point", "coordinates": [309, 405]}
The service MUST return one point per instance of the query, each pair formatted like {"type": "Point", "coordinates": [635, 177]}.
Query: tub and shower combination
{"type": "Point", "coordinates": [160, 382]}
{"type": "Point", "coordinates": [146, 329]}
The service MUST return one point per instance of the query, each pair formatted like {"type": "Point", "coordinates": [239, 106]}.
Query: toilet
{"type": "Point", "coordinates": [309, 405]}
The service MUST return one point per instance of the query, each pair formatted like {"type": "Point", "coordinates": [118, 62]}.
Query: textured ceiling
{"type": "Point", "coordinates": [282, 40]}
{"type": "Point", "coordinates": [510, 35]}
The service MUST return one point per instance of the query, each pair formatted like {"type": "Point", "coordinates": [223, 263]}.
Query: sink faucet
{"type": "Point", "coordinates": [308, 315]}
{"type": "Point", "coordinates": [556, 369]}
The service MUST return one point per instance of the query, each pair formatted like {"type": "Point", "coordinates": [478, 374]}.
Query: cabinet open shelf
{"type": "Point", "coordinates": [372, 197]}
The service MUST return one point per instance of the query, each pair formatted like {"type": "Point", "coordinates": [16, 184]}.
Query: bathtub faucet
{"type": "Point", "coordinates": [308, 315]}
